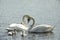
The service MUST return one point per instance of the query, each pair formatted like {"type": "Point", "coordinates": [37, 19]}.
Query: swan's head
{"type": "Point", "coordinates": [28, 20]}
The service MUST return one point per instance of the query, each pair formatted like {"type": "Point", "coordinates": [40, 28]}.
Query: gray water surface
{"type": "Point", "coordinates": [43, 11]}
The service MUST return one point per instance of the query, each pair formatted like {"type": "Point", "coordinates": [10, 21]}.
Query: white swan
{"type": "Point", "coordinates": [20, 27]}
{"type": "Point", "coordinates": [32, 28]}
{"type": "Point", "coordinates": [38, 28]}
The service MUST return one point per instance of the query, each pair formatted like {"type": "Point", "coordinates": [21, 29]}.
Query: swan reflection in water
{"type": "Point", "coordinates": [37, 36]}
{"type": "Point", "coordinates": [33, 36]}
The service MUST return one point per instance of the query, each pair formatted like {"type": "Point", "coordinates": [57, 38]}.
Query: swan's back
{"type": "Point", "coordinates": [22, 26]}
{"type": "Point", "coordinates": [13, 25]}
{"type": "Point", "coordinates": [18, 26]}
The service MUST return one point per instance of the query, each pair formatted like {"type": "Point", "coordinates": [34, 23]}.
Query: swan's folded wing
{"type": "Point", "coordinates": [38, 29]}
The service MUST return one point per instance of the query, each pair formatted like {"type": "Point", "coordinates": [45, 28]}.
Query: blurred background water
{"type": "Point", "coordinates": [44, 12]}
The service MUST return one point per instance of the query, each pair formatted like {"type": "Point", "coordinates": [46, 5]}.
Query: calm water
{"type": "Point", "coordinates": [44, 12]}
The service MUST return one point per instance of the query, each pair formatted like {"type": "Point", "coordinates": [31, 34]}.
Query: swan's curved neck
{"type": "Point", "coordinates": [29, 18]}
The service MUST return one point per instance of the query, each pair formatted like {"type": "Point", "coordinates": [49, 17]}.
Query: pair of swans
{"type": "Point", "coordinates": [32, 28]}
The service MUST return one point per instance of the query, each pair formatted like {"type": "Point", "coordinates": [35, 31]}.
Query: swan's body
{"type": "Point", "coordinates": [19, 27]}
{"type": "Point", "coordinates": [38, 28]}
{"type": "Point", "coordinates": [42, 28]}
